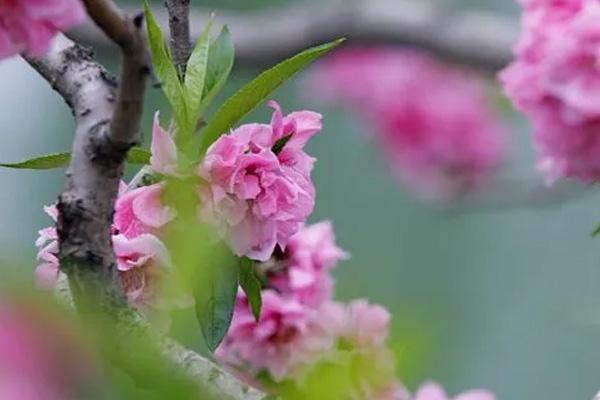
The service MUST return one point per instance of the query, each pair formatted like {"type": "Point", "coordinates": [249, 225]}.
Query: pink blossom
{"type": "Point", "coordinates": [555, 80]}
{"type": "Point", "coordinates": [433, 391]}
{"type": "Point", "coordinates": [288, 338]}
{"type": "Point", "coordinates": [433, 122]}
{"type": "Point", "coordinates": [257, 197]}
{"type": "Point", "coordinates": [143, 263]}
{"type": "Point", "coordinates": [141, 211]}
{"type": "Point", "coordinates": [142, 259]}
{"type": "Point", "coordinates": [28, 26]}
{"type": "Point", "coordinates": [47, 243]}
{"type": "Point", "coordinates": [306, 265]}
{"type": "Point", "coordinates": [164, 150]}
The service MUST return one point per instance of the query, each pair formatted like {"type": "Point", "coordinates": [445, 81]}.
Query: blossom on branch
{"type": "Point", "coordinates": [28, 26]}
{"type": "Point", "coordinates": [306, 265]}
{"type": "Point", "coordinates": [555, 80]}
{"type": "Point", "coordinates": [259, 190]}
{"type": "Point", "coordinates": [433, 122]}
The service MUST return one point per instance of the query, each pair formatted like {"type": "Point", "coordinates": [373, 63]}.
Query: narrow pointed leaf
{"type": "Point", "coordinates": [195, 76]}
{"type": "Point", "coordinates": [596, 231]}
{"type": "Point", "coordinates": [250, 283]}
{"type": "Point", "coordinates": [49, 161]}
{"type": "Point", "coordinates": [255, 92]}
{"type": "Point", "coordinates": [215, 298]}
{"type": "Point", "coordinates": [136, 155]}
{"type": "Point", "coordinates": [164, 67]}
{"type": "Point", "coordinates": [220, 62]}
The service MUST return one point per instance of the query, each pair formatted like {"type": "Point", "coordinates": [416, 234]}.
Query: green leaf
{"type": "Point", "coordinates": [250, 283]}
{"type": "Point", "coordinates": [49, 161]}
{"type": "Point", "coordinates": [251, 95]}
{"type": "Point", "coordinates": [220, 62]}
{"type": "Point", "coordinates": [164, 67]}
{"type": "Point", "coordinates": [280, 144]}
{"type": "Point", "coordinates": [215, 299]}
{"type": "Point", "coordinates": [136, 155]}
{"type": "Point", "coordinates": [195, 76]}
{"type": "Point", "coordinates": [596, 231]}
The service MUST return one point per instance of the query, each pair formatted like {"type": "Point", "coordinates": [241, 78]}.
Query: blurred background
{"type": "Point", "coordinates": [483, 294]}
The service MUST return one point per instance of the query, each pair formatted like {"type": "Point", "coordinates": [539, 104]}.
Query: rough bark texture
{"type": "Point", "coordinates": [478, 39]}
{"type": "Point", "coordinates": [179, 26]}
{"type": "Point", "coordinates": [86, 205]}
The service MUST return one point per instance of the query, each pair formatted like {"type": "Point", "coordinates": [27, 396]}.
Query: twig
{"type": "Point", "coordinates": [179, 26]}
{"type": "Point", "coordinates": [478, 39]}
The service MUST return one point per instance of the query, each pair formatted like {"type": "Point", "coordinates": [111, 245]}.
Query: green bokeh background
{"type": "Point", "coordinates": [506, 299]}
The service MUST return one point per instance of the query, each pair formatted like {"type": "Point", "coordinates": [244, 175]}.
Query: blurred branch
{"type": "Point", "coordinates": [179, 26]}
{"type": "Point", "coordinates": [509, 194]}
{"type": "Point", "coordinates": [213, 378]}
{"type": "Point", "coordinates": [479, 39]}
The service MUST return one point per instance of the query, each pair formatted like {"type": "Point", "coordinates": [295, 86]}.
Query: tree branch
{"type": "Point", "coordinates": [478, 39]}
{"type": "Point", "coordinates": [92, 178]}
{"type": "Point", "coordinates": [107, 125]}
{"type": "Point", "coordinates": [179, 26]}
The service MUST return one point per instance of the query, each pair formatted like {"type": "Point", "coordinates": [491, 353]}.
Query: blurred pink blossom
{"type": "Point", "coordinates": [555, 81]}
{"type": "Point", "coordinates": [259, 195]}
{"type": "Point", "coordinates": [434, 122]}
{"type": "Point", "coordinates": [365, 324]}
{"type": "Point", "coordinates": [433, 391]}
{"type": "Point", "coordinates": [28, 26]}
{"type": "Point", "coordinates": [40, 358]}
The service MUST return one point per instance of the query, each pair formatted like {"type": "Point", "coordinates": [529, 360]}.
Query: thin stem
{"type": "Point", "coordinates": [179, 26]}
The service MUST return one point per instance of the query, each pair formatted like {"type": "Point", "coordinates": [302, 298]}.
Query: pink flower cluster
{"type": "Point", "coordinates": [259, 190]}
{"type": "Point", "coordinates": [290, 335]}
{"type": "Point", "coordinates": [433, 122]}
{"type": "Point", "coordinates": [142, 258]}
{"type": "Point", "coordinates": [301, 328]}
{"type": "Point", "coordinates": [40, 358]}
{"type": "Point", "coordinates": [555, 81]}
{"type": "Point", "coordinates": [28, 26]}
